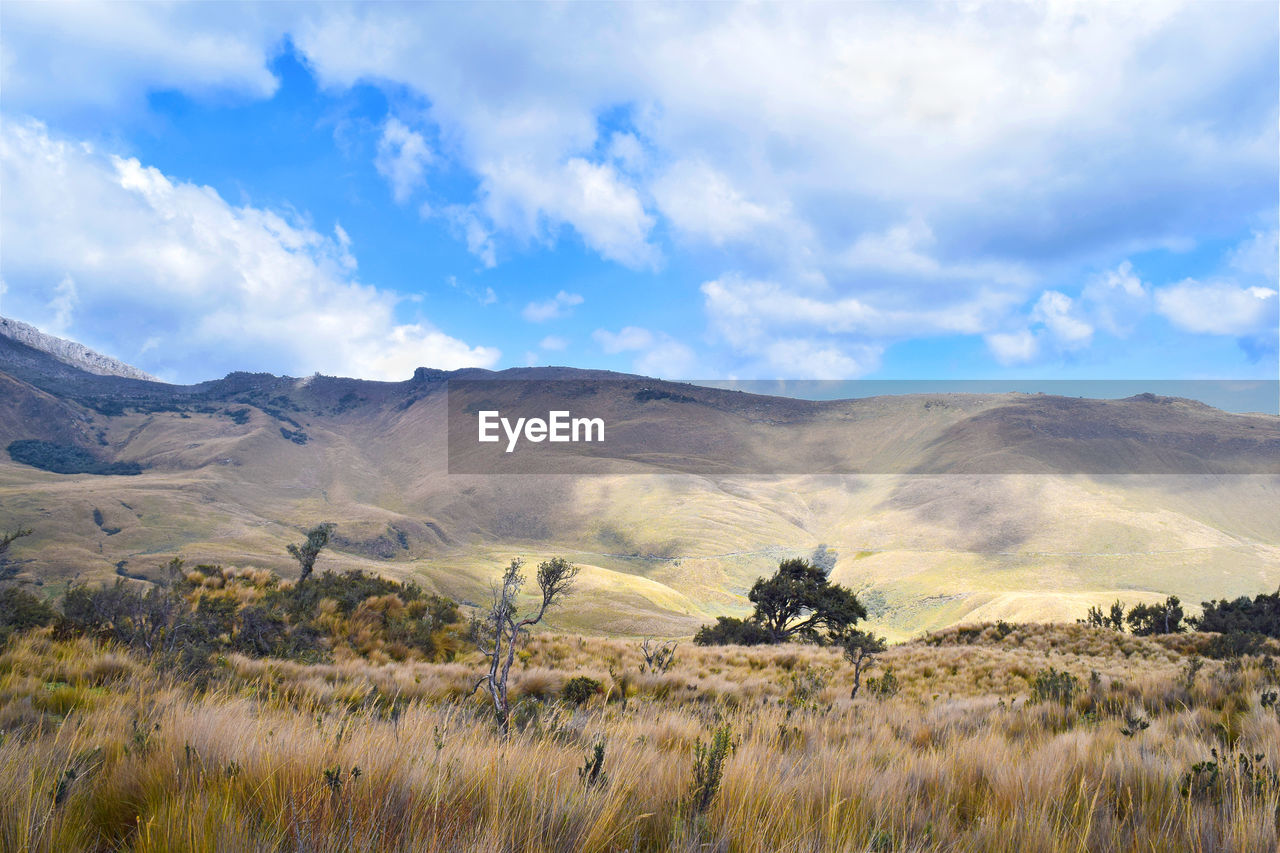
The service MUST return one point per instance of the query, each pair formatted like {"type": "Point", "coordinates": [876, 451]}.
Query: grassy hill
{"type": "Point", "coordinates": [941, 508]}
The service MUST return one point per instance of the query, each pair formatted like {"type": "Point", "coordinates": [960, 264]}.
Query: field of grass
{"type": "Point", "coordinates": [980, 748]}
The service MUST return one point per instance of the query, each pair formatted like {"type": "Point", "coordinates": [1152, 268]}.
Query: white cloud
{"type": "Point", "coordinates": [109, 56]}
{"type": "Point", "coordinates": [1218, 308]}
{"type": "Point", "coordinates": [554, 343]}
{"type": "Point", "coordinates": [700, 202]}
{"type": "Point", "coordinates": [522, 198]}
{"type": "Point", "coordinates": [222, 287]}
{"type": "Point", "coordinates": [802, 358]}
{"type": "Point", "coordinates": [551, 309]}
{"type": "Point", "coordinates": [1061, 319]}
{"type": "Point", "coordinates": [658, 354]}
{"type": "Point", "coordinates": [889, 170]}
{"type": "Point", "coordinates": [1013, 347]}
{"type": "Point", "coordinates": [1258, 256]}
{"type": "Point", "coordinates": [627, 151]}
{"type": "Point", "coordinates": [624, 340]}
{"type": "Point", "coordinates": [1117, 299]}
{"type": "Point", "coordinates": [402, 158]}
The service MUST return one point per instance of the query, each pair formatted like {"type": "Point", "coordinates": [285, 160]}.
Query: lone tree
{"type": "Point", "coordinates": [800, 602]}
{"type": "Point", "coordinates": [498, 633]}
{"type": "Point", "coordinates": [860, 649]}
{"type": "Point", "coordinates": [306, 553]}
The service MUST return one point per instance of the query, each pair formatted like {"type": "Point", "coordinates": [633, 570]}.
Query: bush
{"type": "Point", "coordinates": [884, 687]}
{"type": "Point", "coordinates": [1234, 644]}
{"type": "Point", "coordinates": [1147, 620]}
{"type": "Point", "coordinates": [731, 631]}
{"type": "Point", "coordinates": [1259, 616]}
{"type": "Point", "coordinates": [20, 610]}
{"type": "Point", "coordinates": [579, 689]}
{"type": "Point", "coordinates": [1051, 685]}
{"type": "Point", "coordinates": [65, 459]}
{"type": "Point", "coordinates": [708, 768]}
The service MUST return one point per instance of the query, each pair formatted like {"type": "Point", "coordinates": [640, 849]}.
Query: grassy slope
{"type": "Point", "coordinates": [958, 760]}
{"type": "Point", "coordinates": [664, 552]}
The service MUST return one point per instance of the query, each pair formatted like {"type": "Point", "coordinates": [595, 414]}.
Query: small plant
{"type": "Point", "coordinates": [1051, 685]}
{"type": "Point", "coordinates": [806, 685]}
{"type": "Point", "coordinates": [579, 689]}
{"type": "Point", "coordinates": [1189, 672]}
{"type": "Point", "coordinates": [591, 773]}
{"type": "Point", "coordinates": [333, 779]}
{"type": "Point", "coordinates": [1209, 779]}
{"type": "Point", "coordinates": [708, 768]}
{"type": "Point", "coordinates": [884, 687]}
{"type": "Point", "coordinates": [1134, 723]}
{"type": "Point", "coordinates": [63, 786]}
{"type": "Point", "coordinates": [657, 659]}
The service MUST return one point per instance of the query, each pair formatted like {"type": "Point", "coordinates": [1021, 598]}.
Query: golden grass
{"type": "Point", "coordinates": [127, 758]}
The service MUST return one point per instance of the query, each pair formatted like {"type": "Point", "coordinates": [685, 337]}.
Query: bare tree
{"type": "Point", "coordinates": [498, 633]}
{"type": "Point", "coordinates": [860, 649]}
{"type": "Point", "coordinates": [7, 539]}
{"type": "Point", "coordinates": [307, 552]}
{"type": "Point", "coordinates": [658, 658]}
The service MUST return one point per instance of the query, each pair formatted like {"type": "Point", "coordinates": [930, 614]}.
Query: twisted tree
{"type": "Point", "coordinates": [498, 632]}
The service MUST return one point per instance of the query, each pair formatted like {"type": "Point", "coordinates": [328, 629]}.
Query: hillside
{"type": "Point", "coordinates": [942, 508]}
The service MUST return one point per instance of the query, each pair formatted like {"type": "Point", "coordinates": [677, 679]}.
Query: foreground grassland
{"type": "Point", "coordinates": [102, 752]}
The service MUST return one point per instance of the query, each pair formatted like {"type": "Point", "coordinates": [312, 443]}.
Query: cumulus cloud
{"type": "Point", "coordinates": [701, 203]}
{"type": "Point", "coordinates": [402, 158]}
{"type": "Point", "coordinates": [607, 214]}
{"type": "Point", "coordinates": [1013, 347]}
{"type": "Point", "coordinates": [109, 56]}
{"type": "Point", "coordinates": [657, 353]}
{"type": "Point", "coordinates": [551, 309]}
{"type": "Point", "coordinates": [885, 170]}
{"type": "Point", "coordinates": [214, 287]}
{"type": "Point", "coordinates": [1117, 299]}
{"type": "Point", "coordinates": [1218, 308]}
{"type": "Point", "coordinates": [1060, 316]}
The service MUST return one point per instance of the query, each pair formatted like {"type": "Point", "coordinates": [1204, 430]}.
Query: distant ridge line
{"type": "Point", "coordinates": [70, 352]}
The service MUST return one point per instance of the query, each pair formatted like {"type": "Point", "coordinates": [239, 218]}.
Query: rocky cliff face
{"type": "Point", "coordinates": [70, 352]}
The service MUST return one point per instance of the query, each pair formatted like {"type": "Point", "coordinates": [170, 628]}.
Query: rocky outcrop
{"type": "Point", "coordinates": [70, 352]}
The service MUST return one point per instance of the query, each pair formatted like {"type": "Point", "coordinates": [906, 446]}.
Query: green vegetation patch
{"type": "Point", "coordinates": [65, 459]}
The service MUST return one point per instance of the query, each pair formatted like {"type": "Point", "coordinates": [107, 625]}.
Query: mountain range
{"type": "Point", "coordinates": [938, 508]}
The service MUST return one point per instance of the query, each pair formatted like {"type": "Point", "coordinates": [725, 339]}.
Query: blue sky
{"type": "Point", "coordinates": [887, 191]}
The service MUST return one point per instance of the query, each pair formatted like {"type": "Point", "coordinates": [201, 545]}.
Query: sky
{"type": "Point", "coordinates": [695, 191]}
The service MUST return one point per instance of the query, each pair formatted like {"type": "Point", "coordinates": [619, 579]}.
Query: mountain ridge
{"type": "Point", "coordinates": [70, 352]}
{"type": "Point", "coordinates": [694, 507]}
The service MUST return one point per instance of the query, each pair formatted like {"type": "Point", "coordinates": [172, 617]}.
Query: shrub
{"type": "Point", "coordinates": [731, 631]}
{"type": "Point", "coordinates": [1051, 685]}
{"type": "Point", "coordinates": [20, 610]}
{"type": "Point", "coordinates": [579, 689]}
{"type": "Point", "coordinates": [708, 768]}
{"type": "Point", "coordinates": [1259, 616]}
{"type": "Point", "coordinates": [885, 686]}
{"type": "Point", "coordinates": [1146, 620]}
{"type": "Point", "coordinates": [1234, 644]}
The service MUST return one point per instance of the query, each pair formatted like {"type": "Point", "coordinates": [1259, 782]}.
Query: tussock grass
{"type": "Point", "coordinates": [278, 755]}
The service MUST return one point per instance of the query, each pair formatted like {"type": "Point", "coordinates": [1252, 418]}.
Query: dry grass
{"type": "Point", "coordinates": [101, 752]}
